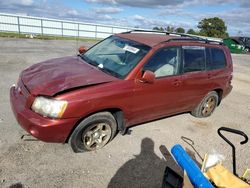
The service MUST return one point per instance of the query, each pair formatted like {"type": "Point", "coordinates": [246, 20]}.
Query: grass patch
{"type": "Point", "coordinates": [46, 37]}
{"type": "Point", "coordinates": [11, 35]}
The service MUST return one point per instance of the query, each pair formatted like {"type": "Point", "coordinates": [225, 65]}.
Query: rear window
{"type": "Point", "coordinates": [218, 59]}
{"type": "Point", "coordinates": [194, 58]}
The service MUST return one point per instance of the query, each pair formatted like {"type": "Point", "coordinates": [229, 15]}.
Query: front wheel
{"type": "Point", "coordinates": [207, 105]}
{"type": "Point", "coordinates": [94, 132]}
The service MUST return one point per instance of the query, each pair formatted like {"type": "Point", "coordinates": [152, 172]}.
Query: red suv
{"type": "Point", "coordinates": [126, 79]}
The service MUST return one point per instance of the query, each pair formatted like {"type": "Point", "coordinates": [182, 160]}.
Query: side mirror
{"type": "Point", "coordinates": [82, 50]}
{"type": "Point", "coordinates": [147, 77]}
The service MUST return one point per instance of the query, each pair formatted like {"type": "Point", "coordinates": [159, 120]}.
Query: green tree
{"type": "Point", "coordinates": [191, 32]}
{"type": "Point", "coordinates": [158, 28]}
{"type": "Point", "coordinates": [180, 30]}
{"type": "Point", "coordinates": [170, 29]}
{"type": "Point", "coordinates": [213, 27]}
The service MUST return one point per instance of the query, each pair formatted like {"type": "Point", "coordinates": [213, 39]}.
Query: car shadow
{"type": "Point", "coordinates": [16, 185]}
{"type": "Point", "coordinates": [144, 170]}
{"type": "Point", "coordinates": [129, 131]}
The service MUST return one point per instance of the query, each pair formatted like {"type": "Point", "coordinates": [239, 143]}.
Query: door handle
{"type": "Point", "coordinates": [209, 75]}
{"type": "Point", "coordinates": [176, 82]}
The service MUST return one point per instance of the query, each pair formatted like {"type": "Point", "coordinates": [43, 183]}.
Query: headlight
{"type": "Point", "coordinates": [49, 107]}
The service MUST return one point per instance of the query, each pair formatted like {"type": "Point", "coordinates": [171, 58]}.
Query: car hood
{"type": "Point", "coordinates": [57, 75]}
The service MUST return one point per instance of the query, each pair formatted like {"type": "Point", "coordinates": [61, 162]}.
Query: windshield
{"type": "Point", "coordinates": [116, 56]}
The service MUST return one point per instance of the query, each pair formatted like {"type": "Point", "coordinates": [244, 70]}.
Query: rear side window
{"type": "Point", "coordinates": [218, 59]}
{"type": "Point", "coordinates": [193, 58]}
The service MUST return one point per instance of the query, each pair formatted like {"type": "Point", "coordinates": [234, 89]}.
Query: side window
{"type": "Point", "coordinates": [193, 58]}
{"type": "Point", "coordinates": [165, 62]}
{"type": "Point", "coordinates": [218, 59]}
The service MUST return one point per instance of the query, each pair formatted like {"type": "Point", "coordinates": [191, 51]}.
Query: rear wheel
{"type": "Point", "coordinates": [94, 132]}
{"type": "Point", "coordinates": [207, 105]}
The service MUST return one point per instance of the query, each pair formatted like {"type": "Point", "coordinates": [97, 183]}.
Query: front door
{"type": "Point", "coordinates": [161, 98]}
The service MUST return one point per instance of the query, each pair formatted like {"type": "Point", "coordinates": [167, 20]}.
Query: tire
{"type": "Point", "coordinates": [207, 105]}
{"type": "Point", "coordinates": [93, 133]}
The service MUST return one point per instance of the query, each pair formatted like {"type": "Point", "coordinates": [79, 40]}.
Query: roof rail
{"type": "Point", "coordinates": [190, 37]}
{"type": "Point", "coordinates": [146, 31]}
{"type": "Point", "coordinates": [155, 31]}
{"type": "Point", "coordinates": [198, 39]}
{"type": "Point", "coordinates": [160, 32]}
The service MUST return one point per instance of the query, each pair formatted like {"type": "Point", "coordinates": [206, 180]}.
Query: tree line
{"type": "Point", "coordinates": [209, 27]}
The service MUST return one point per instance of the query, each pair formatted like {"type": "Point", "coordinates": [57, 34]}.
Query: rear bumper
{"type": "Point", "coordinates": [42, 128]}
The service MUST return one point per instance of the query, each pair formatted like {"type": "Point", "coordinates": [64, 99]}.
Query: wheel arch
{"type": "Point", "coordinates": [116, 112]}
{"type": "Point", "coordinates": [219, 91]}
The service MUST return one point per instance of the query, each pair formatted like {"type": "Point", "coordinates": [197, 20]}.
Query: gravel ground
{"type": "Point", "coordinates": [128, 161]}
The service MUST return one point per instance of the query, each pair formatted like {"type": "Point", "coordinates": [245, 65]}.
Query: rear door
{"type": "Point", "coordinates": [219, 73]}
{"type": "Point", "coordinates": [195, 79]}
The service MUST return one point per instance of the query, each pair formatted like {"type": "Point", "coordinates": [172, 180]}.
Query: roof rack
{"type": "Point", "coordinates": [154, 31]}
{"type": "Point", "coordinates": [190, 37]}
{"type": "Point", "coordinates": [198, 39]}
{"type": "Point", "coordinates": [145, 31]}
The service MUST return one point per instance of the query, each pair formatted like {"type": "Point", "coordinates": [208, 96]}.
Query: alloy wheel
{"type": "Point", "coordinates": [96, 136]}
{"type": "Point", "coordinates": [209, 106]}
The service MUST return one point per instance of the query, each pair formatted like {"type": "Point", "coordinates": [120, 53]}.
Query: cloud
{"type": "Point", "coordinates": [10, 3]}
{"type": "Point", "coordinates": [149, 23]}
{"type": "Point", "coordinates": [102, 1]}
{"type": "Point", "coordinates": [17, 6]}
{"type": "Point", "coordinates": [107, 17]}
{"type": "Point", "coordinates": [73, 12]}
{"type": "Point", "coordinates": [236, 19]}
{"type": "Point", "coordinates": [140, 3]}
{"type": "Point", "coordinates": [222, 2]}
{"type": "Point", "coordinates": [170, 3]}
{"type": "Point", "coordinates": [26, 2]}
{"type": "Point", "coordinates": [108, 10]}
{"type": "Point", "coordinates": [150, 3]}
{"type": "Point", "coordinates": [55, 10]}
{"type": "Point", "coordinates": [245, 3]}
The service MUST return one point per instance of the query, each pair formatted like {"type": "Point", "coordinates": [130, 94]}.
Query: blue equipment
{"type": "Point", "coordinates": [186, 163]}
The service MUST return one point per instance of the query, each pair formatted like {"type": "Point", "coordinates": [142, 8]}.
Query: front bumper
{"type": "Point", "coordinates": [42, 128]}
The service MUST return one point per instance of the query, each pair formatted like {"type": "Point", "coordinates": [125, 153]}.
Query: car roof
{"type": "Point", "coordinates": [150, 39]}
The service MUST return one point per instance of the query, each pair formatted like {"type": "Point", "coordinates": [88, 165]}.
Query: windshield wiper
{"type": "Point", "coordinates": [89, 61]}
{"type": "Point", "coordinates": [110, 72]}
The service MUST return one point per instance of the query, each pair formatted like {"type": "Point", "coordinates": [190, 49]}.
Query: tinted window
{"type": "Point", "coordinates": [165, 62]}
{"type": "Point", "coordinates": [194, 58]}
{"type": "Point", "coordinates": [218, 59]}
